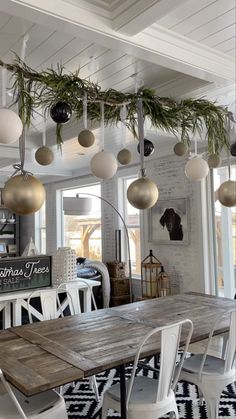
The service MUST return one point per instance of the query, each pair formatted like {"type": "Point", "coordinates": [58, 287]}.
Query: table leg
{"type": "Point", "coordinates": [122, 392]}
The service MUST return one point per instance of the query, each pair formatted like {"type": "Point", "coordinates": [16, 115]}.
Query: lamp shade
{"type": "Point", "coordinates": [196, 169]}
{"type": "Point", "coordinates": [104, 165]}
{"type": "Point", "coordinates": [10, 126]}
{"type": "Point", "coordinates": [77, 205]}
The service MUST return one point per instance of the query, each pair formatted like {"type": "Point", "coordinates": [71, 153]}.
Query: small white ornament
{"type": "Point", "coordinates": [10, 126]}
{"type": "Point", "coordinates": [196, 169]}
{"type": "Point", "coordinates": [104, 165]}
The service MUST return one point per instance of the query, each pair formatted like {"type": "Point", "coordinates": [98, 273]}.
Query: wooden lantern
{"type": "Point", "coordinates": [150, 270]}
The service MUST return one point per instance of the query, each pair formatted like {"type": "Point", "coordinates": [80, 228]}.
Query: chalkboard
{"type": "Point", "coordinates": [25, 273]}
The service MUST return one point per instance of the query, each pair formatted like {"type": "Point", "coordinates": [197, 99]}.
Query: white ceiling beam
{"type": "Point", "coordinates": [9, 152]}
{"type": "Point", "coordinates": [155, 44]}
{"type": "Point", "coordinates": [142, 14]}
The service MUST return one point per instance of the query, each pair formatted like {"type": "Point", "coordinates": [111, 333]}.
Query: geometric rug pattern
{"type": "Point", "coordinates": [81, 403]}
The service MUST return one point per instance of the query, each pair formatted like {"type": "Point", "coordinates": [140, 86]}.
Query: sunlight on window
{"type": "Point", "coordinates": [83, 232]}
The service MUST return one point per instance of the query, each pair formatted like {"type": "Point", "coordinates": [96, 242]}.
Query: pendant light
{"type": "Point", "coordinates": [103, 164]}
{"type": "Point", "coordinates": [143, 192]}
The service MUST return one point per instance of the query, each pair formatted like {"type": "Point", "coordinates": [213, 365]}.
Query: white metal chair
{"type": "Point", "coordinates": [212, 374]}
{"type": "Point", "coordinates": [147, 397]}
{"type": "Point", "coordinates": [50, 305]}
{"type": "Point", "coordinates": [72, 290]}
{"type": "Point", "coordinates": [14, 405]}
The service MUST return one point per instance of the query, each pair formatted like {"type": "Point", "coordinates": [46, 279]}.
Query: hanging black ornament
{"type": "Point", "coordinates": [233, 149]}
{"type": "Point", "coordinates": [61, 112]}
{"type": "Point", "coordinates": [148, 147]}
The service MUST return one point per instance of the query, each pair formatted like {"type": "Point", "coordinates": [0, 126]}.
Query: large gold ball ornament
{"type": "Point", "coordinates": [44, 156]}
{"type": "Point", "coordinates": [142, 193]}
{"type": "Point", "coordinates": [86, 138]}
{"type": "Point", "coordinates": [180, 149]}
{"type": "Point", "coordinates": [227, 193]}
{"type": "Point", "coordinates": [124, 156]}
{"type": "Point", "coordinates": [23, 195]}
{"type": "Point", "coordinates": [213, 161]}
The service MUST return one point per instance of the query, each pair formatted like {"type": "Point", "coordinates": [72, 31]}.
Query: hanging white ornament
{"type": "Point", "coordinates": [196, 168]}
{"type": "Point", "coordinates": [103, 164]}
{"type": "Point", "coordinates": [10, 123]}
{"type": "Point", "coordinates": [86, 137]}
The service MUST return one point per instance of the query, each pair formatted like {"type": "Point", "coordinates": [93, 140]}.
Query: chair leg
{"type": "Point", "coordinates": [212, 403]}
{"type": "Point", "coordinates": [201, 398]}
{"type": "Point", "coordinates": [93, 384]}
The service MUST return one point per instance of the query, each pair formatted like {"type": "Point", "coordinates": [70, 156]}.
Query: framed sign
{"type": "Point", "coordinates": [25, 273]}
{"type": "Point", "coordinates": [169, 222]}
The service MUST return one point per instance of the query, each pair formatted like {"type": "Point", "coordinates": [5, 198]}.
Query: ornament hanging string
{"type": "Point", "coordinates": [4, 99]}
{"type": "Point", "coordinates": [19, 167]}
{"type": "Point", "coordinates": [44, 134]}
{"type": "Point", "coordinates": [102, 124]}
{"type": "Point", "coordinates": [85, 111]}
{"type": "Point", "coordinates": [123, 114]}
{"type": "Point", "coordinates": [141, 133]}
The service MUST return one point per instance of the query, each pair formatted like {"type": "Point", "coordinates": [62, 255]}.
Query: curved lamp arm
{"type": "Point", "coordinates": [127, 237]}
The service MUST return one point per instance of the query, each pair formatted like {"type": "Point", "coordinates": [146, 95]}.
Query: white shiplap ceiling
{"type": "Point", "coordinates": [111, 58]}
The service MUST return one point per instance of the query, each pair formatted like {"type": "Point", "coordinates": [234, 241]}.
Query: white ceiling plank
{"type": "Point", "coordinates": [118, 76]}
{"type": "Point", "coordinates": [227, 45]}
{"type": "Point", "coordinates": [183, 12]}
{"type": "Point", "coordinates": [203, 31]}
{"type": "Point", "coordinates": [83, 57]}
{"type": "Point", "coordinates": [14, 30]}
{"type": "Point", "coordinates": [47, 49]}
{"type": "Point", "coordinates": [141, 14]}
{"type": "Point", "coordinates": [106, 59]}
{"type": "Point", "coordinates": [221, 36]}
{"type": "Point", "coordinates": [212, 11]}
{"type": "Point", "coordinates": [170, 51]}
{"type": "Point", "coordinates": [4, 19]}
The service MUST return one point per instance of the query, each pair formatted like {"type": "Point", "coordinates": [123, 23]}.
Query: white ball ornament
{"type": "Point", "coordinates": [104, 165]}
{"type": "Point", "coordinates": [10, 126]}
{"type": "Point", "coordinates": [196, 169]}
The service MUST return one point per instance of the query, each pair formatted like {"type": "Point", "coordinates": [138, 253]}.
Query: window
{"type": "Point", "coordinates": [132, 220]}
{"type": "Point", "coordinates": [40, 229]}
{"type": "Point", "coordinates": [225, 238]}
{"type": "Point", "coordinates": [83, 232]}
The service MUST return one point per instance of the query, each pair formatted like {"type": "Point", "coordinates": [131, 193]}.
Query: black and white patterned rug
{"type": "Point", "coordinates": [81, 403]}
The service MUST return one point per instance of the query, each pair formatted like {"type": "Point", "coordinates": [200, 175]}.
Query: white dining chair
{"type": "Point", "coordinates": [14, 405]}
{"type": "Point", "coordinates": [49, 302]}
{"type": "Point", "coordinates": [151, 398]}
{"type": "Point", "coordinates": [72, 290]}
{"type": "Point", "coordinates": [210, 373]}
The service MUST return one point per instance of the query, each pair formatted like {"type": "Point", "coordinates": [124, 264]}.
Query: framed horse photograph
{"type": "Point", "coordinates": [169, 222]}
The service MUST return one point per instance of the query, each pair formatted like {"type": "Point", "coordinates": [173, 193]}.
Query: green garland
{"type": "Point", "coordinates": [37, 92]}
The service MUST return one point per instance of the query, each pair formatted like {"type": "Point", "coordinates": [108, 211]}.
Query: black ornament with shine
{"type": "Point", "coordinates": [148, 147]}
{"type": "Point", "coordinates": [233, 149]}
{"type": "Point", "coordinates": [61, 112]}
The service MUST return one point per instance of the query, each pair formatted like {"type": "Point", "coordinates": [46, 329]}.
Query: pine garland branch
{"type": "Point", "coordinates": [34, 92]}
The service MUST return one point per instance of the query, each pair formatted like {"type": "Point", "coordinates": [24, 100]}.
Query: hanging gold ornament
{"type": "Point", "coordinates": [23, 194]}
{"type": "Point", "coordinates": [44, 156]}
{"type": "Point", "coordinates": [86, 138]}
{"type": "Point", "coordinates": [180, 149]}
{"type": "Point", "coordinates": [142, 193]}
{"type": "Point", "coordinates": [124, 156]}
{"type": "Point", "coordinates": [213, 161]}
{"type": "Point", "coordinates": [227, 193]}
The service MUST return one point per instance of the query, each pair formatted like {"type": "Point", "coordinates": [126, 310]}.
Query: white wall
{"type": "Point", "coordinates": [183, 262]}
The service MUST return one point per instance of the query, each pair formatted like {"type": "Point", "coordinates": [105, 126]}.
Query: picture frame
{"type": "Point", "coordinates": [169, 221]}
{"type": "Point", "coordinates": [3, 248]}
{"type": "Point", "coordinates": [12, 248]}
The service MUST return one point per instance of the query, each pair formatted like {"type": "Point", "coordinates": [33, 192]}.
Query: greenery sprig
{"type": "Point", "coordinates": [38, 91]}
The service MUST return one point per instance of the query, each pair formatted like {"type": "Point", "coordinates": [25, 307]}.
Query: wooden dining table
{"type": "Point", "coordinates": [44, 355]}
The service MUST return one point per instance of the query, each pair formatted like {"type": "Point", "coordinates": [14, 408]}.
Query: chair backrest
{"type": "Point", "coordinates": [72, 288]}
{"type": "Point", "coordinates": [49, 305]}
{"type": "Point", "coordinates": [11, 394]}
{"type": "Point", "coordinates": [170, 338]}
{"type": "Point", "coordinates": [229, 356]}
